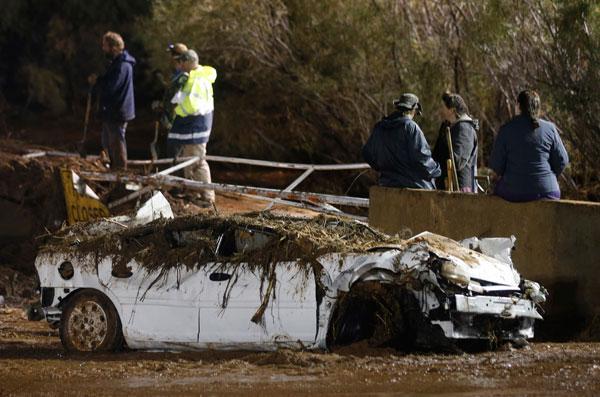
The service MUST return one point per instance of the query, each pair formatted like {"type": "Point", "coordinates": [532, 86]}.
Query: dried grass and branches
{"type": "Point", "coordinates": [192, 241]}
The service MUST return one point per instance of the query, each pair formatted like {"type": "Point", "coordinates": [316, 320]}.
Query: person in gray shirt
{"type": "Point", "coordinates": [463, 131]}
{"type": "Point", "coordinates": [528, 154]}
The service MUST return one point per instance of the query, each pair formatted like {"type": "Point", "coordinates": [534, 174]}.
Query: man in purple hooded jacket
{"type": "Point", "coordinates": [117, 106]}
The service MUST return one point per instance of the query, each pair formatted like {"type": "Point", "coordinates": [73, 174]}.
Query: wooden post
{"type": "Point", "coordinates": [153, 152]}
{"type": "Point", "coordinates": [448, 179]}
{"type": "Point", "coordinates": [452, 175]}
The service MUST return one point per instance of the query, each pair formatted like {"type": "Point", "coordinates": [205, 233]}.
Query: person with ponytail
{"type": "Point", "coordinates": [528, 154]}
{"type": "Point", "coordinates": [463, 132]}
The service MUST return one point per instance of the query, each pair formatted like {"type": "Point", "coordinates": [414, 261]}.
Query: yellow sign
{"type": "Point", "coordinates": [80, 201]}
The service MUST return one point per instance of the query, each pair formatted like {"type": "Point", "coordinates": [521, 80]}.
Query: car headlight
{"type": "Point", "coordinates": [66, 270]}
{"type": "Point", "coordinates": [455, 274]}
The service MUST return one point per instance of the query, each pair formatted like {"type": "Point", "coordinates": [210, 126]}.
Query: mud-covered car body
{"type": "Point", "coordinates": [458, 293]}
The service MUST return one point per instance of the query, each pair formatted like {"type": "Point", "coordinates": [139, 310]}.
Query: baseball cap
{"type": "Point", "coordinates": [176, 49]}
{"type": "Point", "coordinates": [408, 101]}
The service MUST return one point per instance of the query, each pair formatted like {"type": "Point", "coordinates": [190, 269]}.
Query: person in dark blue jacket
{"type": "Point", "coordinates": [117, 106]}
{"type": "Point", "coordinates": [528, 154]}
{"type": "Point", "coordinates": [397, 148]}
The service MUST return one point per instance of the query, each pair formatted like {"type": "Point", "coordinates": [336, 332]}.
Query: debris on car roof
{"type": "Point", "coordinates": [190, 240]}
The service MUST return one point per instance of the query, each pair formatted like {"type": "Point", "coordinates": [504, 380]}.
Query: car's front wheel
{"type": "Point", "coordinates": [90, 323]}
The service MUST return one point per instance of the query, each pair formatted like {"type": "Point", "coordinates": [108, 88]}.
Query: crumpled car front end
{"type": "Point", "coordinates": [488, 298]}
{"type": "Point", "coordinates": [460, 291]}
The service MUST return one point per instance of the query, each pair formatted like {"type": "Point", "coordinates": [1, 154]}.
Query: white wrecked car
{"type": "Point", "coordinates": [261, 282]}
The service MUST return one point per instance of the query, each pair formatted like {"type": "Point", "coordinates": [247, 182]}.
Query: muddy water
{"type": "Point", "coordinates": [32, 362]}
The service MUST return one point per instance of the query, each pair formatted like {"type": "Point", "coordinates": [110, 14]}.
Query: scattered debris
{"type": "Point", "coordinates": [32, 200]}
{"type": "Point", "coordinates": [17, 288]}
{"type": "Point", "coordinates": [168, 243]}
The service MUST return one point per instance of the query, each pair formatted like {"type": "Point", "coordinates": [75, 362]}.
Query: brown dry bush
{"type": "Point", "coordinates": [308, 79]}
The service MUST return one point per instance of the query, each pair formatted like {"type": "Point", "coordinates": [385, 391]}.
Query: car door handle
{"type": "Point", "coordinates": [219, 276]}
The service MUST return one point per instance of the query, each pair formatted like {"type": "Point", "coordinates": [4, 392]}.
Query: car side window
{"type": "Point", "coordinates": [226, 244]}
{"type": "Point", "coordinates": [248, 240]}
{"type": "Point", "coordinates": [242, 240]}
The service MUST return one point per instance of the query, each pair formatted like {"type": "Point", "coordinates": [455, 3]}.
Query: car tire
{"type": "Point", "coordinates": [90, 323]}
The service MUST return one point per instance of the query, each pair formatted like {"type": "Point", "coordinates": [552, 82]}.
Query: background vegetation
{"type": "Point", "coordinates": [305, 80]}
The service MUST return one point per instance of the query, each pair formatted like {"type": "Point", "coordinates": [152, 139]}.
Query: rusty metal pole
{"type": "Point", "coordinates": [173, 181]}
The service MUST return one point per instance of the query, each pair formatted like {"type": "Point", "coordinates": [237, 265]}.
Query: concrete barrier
{"type": "Point", "coordinates": [558, 244]}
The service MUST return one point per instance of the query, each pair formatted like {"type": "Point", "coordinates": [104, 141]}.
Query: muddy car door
{"type": "Point", "coordinates": [234, 293]}
{"type": "Point", "coordinates": [160, 306]}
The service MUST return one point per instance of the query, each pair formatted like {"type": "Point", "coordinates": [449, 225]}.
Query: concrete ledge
{"type": "Point", "coordinates": [558, 244]}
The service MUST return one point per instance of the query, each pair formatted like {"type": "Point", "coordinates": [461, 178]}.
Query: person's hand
{"type": "Point", "coordinates": [157, 106]}
{"type": "Point", "coordinates": [166, 123]}
{"type": "Point", "coordinates": [92, 78]}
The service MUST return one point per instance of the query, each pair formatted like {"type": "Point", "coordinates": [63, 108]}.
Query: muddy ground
{"type": "Point", "coordinates": [32, 362]}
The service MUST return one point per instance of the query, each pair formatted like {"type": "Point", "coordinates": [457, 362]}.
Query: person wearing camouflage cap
{"type": "Point", "coordinates": [408, 101]}
{"type": "Point", "coordinates": [177, 81]}
{"type": "Point", "coordinates": [398, 150]}
{"type": "Point", "coordinates": [176, 51]}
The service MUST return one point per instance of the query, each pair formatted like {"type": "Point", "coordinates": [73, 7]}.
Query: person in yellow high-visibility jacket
{"type": "Point", "coordinates": [193, 121]}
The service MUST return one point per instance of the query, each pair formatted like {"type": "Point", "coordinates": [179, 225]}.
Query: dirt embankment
{"type": "Point", "coordinates": [32, 206]}
{"type": "Point", "coordinates": [32, 362]}
{"type": "Point", "coordinates": [31, 202]}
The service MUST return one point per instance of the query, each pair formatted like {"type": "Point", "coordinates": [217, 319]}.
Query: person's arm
{"type": "Point", "coordinates": [559, 159]}
{"type": "Point", "coordinates": [116, 81]}
{"type": "Point", "coordinates": [420, 155]}
{"type": "Point", "coordinates": [107, 83]}
{"type": "Point", "coordinates": [499, 154]}
{"type": "Point", "coordinates": [209, 73]}
{"type": "Point", "coordinates": [462, 145]}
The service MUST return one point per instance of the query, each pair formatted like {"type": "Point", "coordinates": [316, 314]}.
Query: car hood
{"type": "Point", "coordinates": [416, 254]}
{"type": "Point", "coordinates": [478, 266]}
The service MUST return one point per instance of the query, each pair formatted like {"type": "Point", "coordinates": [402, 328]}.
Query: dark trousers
{"type": "Point", "coordinates": [174, 148]}
{"type": "Point", "coordinates": [113, 142]}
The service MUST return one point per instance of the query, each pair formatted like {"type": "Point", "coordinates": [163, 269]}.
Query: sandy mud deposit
{"type": "Point", "coordinates": [32, 362]}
